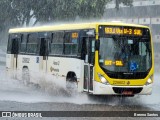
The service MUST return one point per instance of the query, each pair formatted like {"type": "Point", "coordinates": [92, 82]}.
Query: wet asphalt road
{"type": "Point", "coordinates": [14, 96]}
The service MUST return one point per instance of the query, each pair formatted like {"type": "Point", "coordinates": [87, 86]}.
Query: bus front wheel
{"type": "Point", "coordinates": [71, 82]}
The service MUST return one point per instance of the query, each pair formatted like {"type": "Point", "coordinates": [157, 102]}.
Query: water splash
{"type": "Point", "coordinates": [15, 90]}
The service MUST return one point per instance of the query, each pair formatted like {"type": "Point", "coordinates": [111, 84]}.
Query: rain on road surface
{"type": "Point", "coordinates": [14, 96]}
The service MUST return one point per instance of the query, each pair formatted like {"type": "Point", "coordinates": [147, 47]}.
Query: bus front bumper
{"type": "Point", "coordinates": [102, 89]}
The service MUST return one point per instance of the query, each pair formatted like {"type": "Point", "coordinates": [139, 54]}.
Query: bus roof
{"type": "Point", "coordinates": [69, 27]}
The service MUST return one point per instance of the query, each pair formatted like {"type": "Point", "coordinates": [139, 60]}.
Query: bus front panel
{"type": "Point", "coordinates": [124, 61]}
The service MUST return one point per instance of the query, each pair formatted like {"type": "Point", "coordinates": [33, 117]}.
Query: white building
{"type": "Point", "coordinates": [146, 12]}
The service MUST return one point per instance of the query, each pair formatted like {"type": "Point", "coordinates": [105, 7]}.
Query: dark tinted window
{"type": "Point", "coordinates": [58, 37]}
{"type": "Point", "coordinates": [71, 43]}
{"type": "Point", "coordinates": [23, 44]}
{"type": "Point", "coordinates": [13, 43]}
{"type": "Point", "coordinates": [56, 46]}
{"type": "Point", "coordinates": [32, 43]}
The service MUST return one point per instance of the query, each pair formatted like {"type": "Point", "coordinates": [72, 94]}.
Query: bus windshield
{"type": "Point", "coordinates": [125, 53]}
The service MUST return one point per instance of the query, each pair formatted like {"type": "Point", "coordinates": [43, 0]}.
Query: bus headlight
{"type": "Point", "coordinates": [149, 81]}
{"type": "Point", "coordinates": [103, 79]}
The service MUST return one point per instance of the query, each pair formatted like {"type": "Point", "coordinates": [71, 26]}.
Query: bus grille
{"type": "Point", "coordinates": [129, 76]}
{"type": "Point", "coordinates": [121, 90]}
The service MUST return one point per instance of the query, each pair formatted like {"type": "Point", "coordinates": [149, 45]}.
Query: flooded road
{"type": "Point", "coordinates": [14, 96]}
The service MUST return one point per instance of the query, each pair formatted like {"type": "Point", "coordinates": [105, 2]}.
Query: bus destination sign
{"type": "Point", "coordinates": [123, 31]}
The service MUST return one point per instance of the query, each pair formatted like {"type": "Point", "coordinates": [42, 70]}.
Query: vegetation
{"type": "Point", "coordinates": [21, 12]}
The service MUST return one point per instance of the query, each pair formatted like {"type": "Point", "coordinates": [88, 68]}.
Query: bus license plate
{"type": "Point", "coordinates": [127, 93]}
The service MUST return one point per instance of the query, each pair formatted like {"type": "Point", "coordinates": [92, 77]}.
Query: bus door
{"type": "Point", "coordinates": [88, 49]}
{"type": "Point", "coordinates": [88, 78]}
{"type": "Point", "coordinates": [44, 52]}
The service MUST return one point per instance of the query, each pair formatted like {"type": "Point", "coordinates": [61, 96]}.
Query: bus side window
{"type": "Point", "coordinates": [22, 48]}
{"type": "Point", "coordinates": [70, 43]}
{"type": "Point", "coordinates": [13, 44]}
{"type": "Point", "coordinates": [32, 43]}
{"type": "Point", "coordinates": [74, 41]}
{"type": "Point", "coordinates": [56, 46]}
{"type": "Point", "coordinates": [67, 43]}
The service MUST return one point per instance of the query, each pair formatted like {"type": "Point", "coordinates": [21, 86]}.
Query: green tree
{"type": "Point", "coordinates": [54, 10]}
{"type": "Point", "coordinates": [66, 10]}
{"type": "Point", "coordinates": [21, 12]}
{"type": "Point", "coordinates": [24, 10]}
{"type": "Point", "coordinates": [7, 15]}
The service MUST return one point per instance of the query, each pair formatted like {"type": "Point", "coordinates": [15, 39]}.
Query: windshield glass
{"type": "Point", "coordinates": [125, 54]}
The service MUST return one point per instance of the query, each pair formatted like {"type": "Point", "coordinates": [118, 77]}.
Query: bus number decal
{"type": "Point", "coordinates": [52, 69]}
{"type": "Point", "coordinates": [55, 68]}
{"type": "Point", "coordinates": [25, 60]}
{"type": "Point", "coordinates": [118, 82]}
{"type": "Point", "coordinates": [37, 60]}
{"type": "Point", "coordinates": [56, 62]}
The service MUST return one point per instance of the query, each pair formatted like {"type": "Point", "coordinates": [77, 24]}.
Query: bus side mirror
{"type": "Point", "coordinates": [97, 44]}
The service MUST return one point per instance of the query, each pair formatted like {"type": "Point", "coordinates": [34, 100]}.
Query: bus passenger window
{"type": "Point", "coordinates": [56, 46]}
{"type": "Point", "coordinates": [32, 44]}
{"type": "Point", "coordinates": [23, 44]}
{"type": "Point", "coordinates": [13, 43]}
{"type": "Point", "coordinates": [74, 49]}
{"type": "Point", "coordinates": [67, 43]}
{"type": "Point", "coordinates": [70, 42]}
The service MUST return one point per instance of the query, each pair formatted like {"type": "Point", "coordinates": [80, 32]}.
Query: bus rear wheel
{"type": "Point", "coordinates": [71, 85]}
{"type": "Point", "coordinates": [25, 76]}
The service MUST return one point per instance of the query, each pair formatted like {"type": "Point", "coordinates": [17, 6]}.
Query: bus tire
{"type": "Point", "coordinates": [25, 76]}
{"type": "Point", "coordinates": [71, 82]}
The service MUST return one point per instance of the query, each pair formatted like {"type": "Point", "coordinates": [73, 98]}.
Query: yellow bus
{"type": "Point", "coordinates": [104, 58]}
